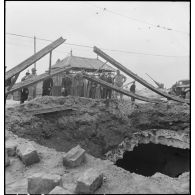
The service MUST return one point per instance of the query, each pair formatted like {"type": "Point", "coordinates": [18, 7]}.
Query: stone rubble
{"type": "Point", "coordinates": [28, 154]}
{"type": "Point", "coordinates": [89, 182]}
{"type": "Point", "coordinates": [74, 157]}
{"type": "Point", "coordinates": [42, 183]}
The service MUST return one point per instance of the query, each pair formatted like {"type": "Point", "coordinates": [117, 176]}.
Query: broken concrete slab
{"type": "Point", "coordinates": [89, 182]}
{"type": "Point", "coordinates": [59, 190]}
{"type": "Point", "coordinates": [7, 160]}
{"type": "Point", "coordinates": [27, 153]}
{"type": "Point", "coordinates": [74, 157]}
{"type": "Point", "coordinates": [11, 148]}
{"type": "Point", "coordinates": [42, 183]}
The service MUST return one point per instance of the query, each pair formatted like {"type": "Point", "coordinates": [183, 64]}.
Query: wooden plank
{"type": "Point", "coordinates": [37, 79]}
{"type": "Point", "coordinates": [120, 90]}
{"type": "Point", "coordinates": [136, 77]}
{"type": "Point", "coordinates": [31, 60]}
{"type": "Point", "coordinates": [50, 110]}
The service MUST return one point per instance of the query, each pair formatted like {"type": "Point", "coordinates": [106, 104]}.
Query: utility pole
{"type": "Point", "coordinates": [34, 50]}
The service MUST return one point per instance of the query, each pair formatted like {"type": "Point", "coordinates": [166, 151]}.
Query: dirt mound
{"type": "Point", "coordinates": [97, 125]}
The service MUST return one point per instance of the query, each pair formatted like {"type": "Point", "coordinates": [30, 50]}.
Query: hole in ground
{"type": "Point", "coordinates": [147, 159]}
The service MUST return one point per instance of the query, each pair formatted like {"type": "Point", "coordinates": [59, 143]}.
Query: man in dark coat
{"type": "Point", "coordinates": [132, 90]}
{"type": "Point", "coordinates": [47, 86]}
{"type": "Point", "coordinates": [103, 89]}
{"type": "Point", "coordinates": [24, 91]}
{"type": "Point", "coordinates": [109, 79]}
{"type": "Point", "coordinates": [66, 84]}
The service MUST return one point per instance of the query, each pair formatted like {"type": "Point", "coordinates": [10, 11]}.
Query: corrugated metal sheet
{"type": "Point", "coordinates": [83, 63]}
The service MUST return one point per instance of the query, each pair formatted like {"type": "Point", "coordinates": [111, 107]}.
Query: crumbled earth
{"type": "Point", "coordinates": [116, 180]}
{"type": "Point", "coordinates": [97, 125]}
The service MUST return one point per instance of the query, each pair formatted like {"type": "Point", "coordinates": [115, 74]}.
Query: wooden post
{"type": "Point", "coordinates": [50, 55]}
{"type": "Point", "coordinates": [34, 50]}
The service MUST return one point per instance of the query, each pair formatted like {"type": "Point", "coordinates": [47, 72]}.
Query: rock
{"type": "Point", "coordinates": [74, 157]}
{"type": "Point", "coordinates": [11, 148]}
{"type": "Point", "coordinates": [90, 181]}
{"type": "Point", "coordinates": [42, 183]}
{"type": "Point", "coordinates": [7, 160]}
{"type": "Point", "coordinates": [28, 154]}
{"type": "Point", "coordinates": [59, 190]}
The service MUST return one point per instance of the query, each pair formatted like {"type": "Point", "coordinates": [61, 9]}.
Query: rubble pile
{"type": "Point", "coordinates": [97, 125]}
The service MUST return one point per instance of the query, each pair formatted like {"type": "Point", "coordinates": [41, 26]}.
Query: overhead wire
{"type": "Point", "coordinates": [87, 46]}
{"type": "Point", "coordinates": [139, 20]}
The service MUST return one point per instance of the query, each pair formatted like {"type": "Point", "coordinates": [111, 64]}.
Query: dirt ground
{"type": "Point", "coordinates": [116, 180]}
{"type": "Point", "coordinates": [98, 126]}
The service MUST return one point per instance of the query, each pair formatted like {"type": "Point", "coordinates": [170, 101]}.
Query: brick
{"type": "Point", "coordinates": [28, 154]}
{"type": "Point", "coordinates": [74, 157]}
{"type": "Point", "coordinates": [11, 148]}
{"type": "Point", "coordinates": [42, 183]}
{"type": "Point", "coordinates": [59, 190]}
{"type": "Point", "coordinates": [89, 182]}
{"type": "Point", "coordinates": [7, 160]}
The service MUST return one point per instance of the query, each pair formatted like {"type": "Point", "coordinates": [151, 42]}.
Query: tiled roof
{"type": "Point", "coordinates": [83, 63]}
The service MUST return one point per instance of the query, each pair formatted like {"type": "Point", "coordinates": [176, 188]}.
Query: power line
{"type": "Point", "coordinates": [138, 20]}
{"type": "Point", "coordinates": [87, 46]}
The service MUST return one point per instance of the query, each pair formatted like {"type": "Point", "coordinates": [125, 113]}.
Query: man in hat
{"type": "Point", "coordinates": [66, 84]}
{"type": "Point", "coordinates": [119, 80]}
{"type": "Point", "coordinates": [24, 91]}
{"type": "Point", "coordinates": [132, 90]}
{"type": "Point", "coordinates": [32, 88]}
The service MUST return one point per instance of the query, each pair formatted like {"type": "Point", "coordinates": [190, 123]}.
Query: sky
{"type": "Point", "coordinates": [127, 26]}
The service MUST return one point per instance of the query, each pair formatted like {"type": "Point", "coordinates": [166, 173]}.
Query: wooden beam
{"type": "Point", "coordinates": [31, 60]}
{"type": "Point", "coordinates": [36, 79]}
{"type": "Point", "coordinates": [120, 90]}
{"type": "Point", "coordinates": [50, 56]}
{"type": "Point", "coordinates": [136, 77]}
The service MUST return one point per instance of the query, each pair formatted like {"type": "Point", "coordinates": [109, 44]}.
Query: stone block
{"type": "Point", "coordinates": [89, 181]}
{"type": "Point", "coordinates": [42, 183]}
{"type": "Point", "coordinates": [11, 148]}
{"type": "Point", "coordinates": [7, 160]}
{"type": "Point", "coordinates": [59, 190]}
{"type": "Point", "coordinates": [74, 157]}
{"type": "Point", "coordinates": [27, 153]}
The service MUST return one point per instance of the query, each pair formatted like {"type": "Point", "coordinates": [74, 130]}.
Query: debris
{"type": "Point", "coordinates": [28, 154]}
{"type": "Point", "coordinates": [59, 190]}
{"type": "Point", "coordinates": [7, 160]}
{"type": "Point", "coordinates": [11, 148]}
{"type": "Point", "coordinates": [74, 157]}
{"type": "Point", "coordinates": [41, 183]}
{"type": "Point", "coordinates": [89, 182]}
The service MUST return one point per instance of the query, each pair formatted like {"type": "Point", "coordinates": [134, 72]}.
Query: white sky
{"type": "Point", "coordinates": [83, 23]}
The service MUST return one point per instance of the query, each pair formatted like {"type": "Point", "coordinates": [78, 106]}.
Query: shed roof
{"type": "Point", "coordinates": [78, 63]}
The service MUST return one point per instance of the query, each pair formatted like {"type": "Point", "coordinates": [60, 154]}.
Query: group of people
{"type": "Point", "coordinates": [76, 85]}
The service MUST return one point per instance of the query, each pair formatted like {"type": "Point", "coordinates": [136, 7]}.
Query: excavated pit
{"type": "Point", "coordinates": [99, 126]}
{"type": "Point", "coordinates": [148, 159]}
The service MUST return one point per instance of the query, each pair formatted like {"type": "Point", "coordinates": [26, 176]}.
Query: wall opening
{"type": "Point", "coordinates": [147, 159]}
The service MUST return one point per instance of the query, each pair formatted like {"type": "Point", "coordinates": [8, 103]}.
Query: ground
{"type": "Point", "coordinates": [99, 126]}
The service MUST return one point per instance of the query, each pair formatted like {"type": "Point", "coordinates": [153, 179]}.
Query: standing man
{"type": "Point", "coordinates": [132, 90]}
{"type": "Point", "coordinates": [47, 86]}
{"type": "Point", "coordinates": [32, 88]}
{"type": "Point", "coordinates": [24, 91]}
{"type": "Point", "coordinates": [108, 90]}
{"type": "Point", "coordinates": [66, 84]}
{"type": "Point", "coordinates": [119, 79]}
{"type": "Point", "coordinates": [103, 89]}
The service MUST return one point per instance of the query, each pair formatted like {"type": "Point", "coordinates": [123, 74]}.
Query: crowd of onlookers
{"type": "Point", "coordinates": [76, 85]}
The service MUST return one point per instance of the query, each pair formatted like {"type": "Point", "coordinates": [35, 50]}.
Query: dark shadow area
{"type": "Point", "coordinates": [147, 159]}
